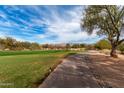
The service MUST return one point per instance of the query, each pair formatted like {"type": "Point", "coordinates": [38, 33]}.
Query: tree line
{"type": "Point", "coordinates": [9, 43]}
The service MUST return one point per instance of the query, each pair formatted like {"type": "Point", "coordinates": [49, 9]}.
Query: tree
{"type": "Point", "coordinates": [107, 20]}
{"type": "Point", "coordinates": [103, 44]}
{"type": "Point", "coordinates": [2, 44]}
{"type": "Point", "coordinates": [26, 45]}
{"type": "Point", "coordinates": [45, 45]}
{"type": "Point", "coordinates": [19, 46]}
{"type": "Point", "coordinates": [68, 46]}
{"type": "Point", "coordinates": [35, 46]}
{"type": "Point", "coordinates": [82, 45]}
{"type": "Point", "coordinates": [10, 43]}
{"type": "Point", "coordinates": [90, 47]}
{"type": "Point", "coordinates": [74, 46]}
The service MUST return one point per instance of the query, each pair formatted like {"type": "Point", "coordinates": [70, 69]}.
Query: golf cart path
{"type": "Point", "coordinates": [79, 71]}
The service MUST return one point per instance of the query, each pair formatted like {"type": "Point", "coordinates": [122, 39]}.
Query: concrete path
{"type": "Point", "coordinates": [73, 72]}
{"type": "Point", "coordinates": [87, 70]}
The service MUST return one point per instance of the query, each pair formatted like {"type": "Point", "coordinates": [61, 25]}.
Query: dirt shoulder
{"type": "Point", "coordinates": [90, 69]}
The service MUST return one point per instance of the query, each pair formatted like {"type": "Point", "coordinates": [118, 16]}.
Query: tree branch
{"type": "Point", "coordinates": [111, 18]}
{"type": "Point", "coordinates": [121, 41]}
{"type": "Point", "coordinates": [121, 14]}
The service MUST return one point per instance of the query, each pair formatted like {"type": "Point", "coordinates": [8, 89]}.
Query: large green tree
{"type": "Point", "coordinates": [107, 20]}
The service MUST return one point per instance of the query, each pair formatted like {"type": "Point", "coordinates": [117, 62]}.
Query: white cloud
{"type": "Point", "coordinates": [65, 29]}
{"type": "Point", "coordinates": [61, 26]}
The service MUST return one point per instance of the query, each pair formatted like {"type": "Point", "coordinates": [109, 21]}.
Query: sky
{"type": "Point", "coordinates": [44, 24]}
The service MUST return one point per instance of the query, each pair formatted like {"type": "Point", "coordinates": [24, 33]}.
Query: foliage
{"type": "Point", "coordinates": [121, 48]}
{"type": "Point", "coordinates": [12, 44]}
{"type": "Point", "coordinates": [35, 46]}
{"type": "Point", "coordinates": [103, 44]}
{"type": "Point", "coordinates": [90, 47]}
{"type": "Point", "coordinates": [9, 43]}
{"type": "Point", "coordinates": [107, 20]}
{"type": "Point", "coordinates": [68, 46]}
{"type": "Point", "coordinates": [78, 46]}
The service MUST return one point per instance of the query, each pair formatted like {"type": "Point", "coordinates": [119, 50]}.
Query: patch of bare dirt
{"type": "Point", "coordinates": [108, 71]}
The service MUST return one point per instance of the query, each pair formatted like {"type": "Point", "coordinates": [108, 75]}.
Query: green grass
{"type": "Point", "coordinates": [26, 68]}
{"type": "Point", "coordinates": [7, 53]}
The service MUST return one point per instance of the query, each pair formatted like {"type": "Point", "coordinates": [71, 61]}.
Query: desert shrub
{"type": "Point", "coordinates": [103, 44]}
{"type": "Point", "coordinates": [105, 51]}
{"type": "Point", "coordinates": [89, 47]}
{"type": "Point", "coordinates": [121, 48]}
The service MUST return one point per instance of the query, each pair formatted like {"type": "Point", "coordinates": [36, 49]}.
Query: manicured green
{"type": "Point", "coordinates": [6, 53]}
{"type": "Point", "coordinates": [26, 68]}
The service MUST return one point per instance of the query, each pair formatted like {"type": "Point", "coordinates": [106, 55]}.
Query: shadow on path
{"type": "Point", "coordinates": [86, 71]}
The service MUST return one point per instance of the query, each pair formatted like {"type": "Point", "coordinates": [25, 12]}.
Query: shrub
{"type": "Point", "coordinates": [90, 47]}
{"type": "Point", "coordinates": [121, 48]}
{"type": "Point", "coordinates": [103, 44]}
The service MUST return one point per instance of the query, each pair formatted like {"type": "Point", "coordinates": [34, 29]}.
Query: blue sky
{"type": "Point", "coordinates": [44, 24]}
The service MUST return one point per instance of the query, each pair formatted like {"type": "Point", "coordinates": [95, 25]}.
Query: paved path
{"type": "Point", "coordinates": [73, 72]}
{"type": "Point", "coordinates": [91, 69]}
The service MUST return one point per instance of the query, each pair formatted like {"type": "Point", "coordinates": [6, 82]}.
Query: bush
{"type": "Point", "coordinates": [90, 47]}
{"type": "Point", "coordinates": [121, 48]}
{"type": "Point", "coordinates": [103, 44]}
{"type": "Point", "coordinates": [105, 51]}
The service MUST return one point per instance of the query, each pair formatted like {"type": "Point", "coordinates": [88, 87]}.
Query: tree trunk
{"type": "Point", "coordinates": [113, 52]}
